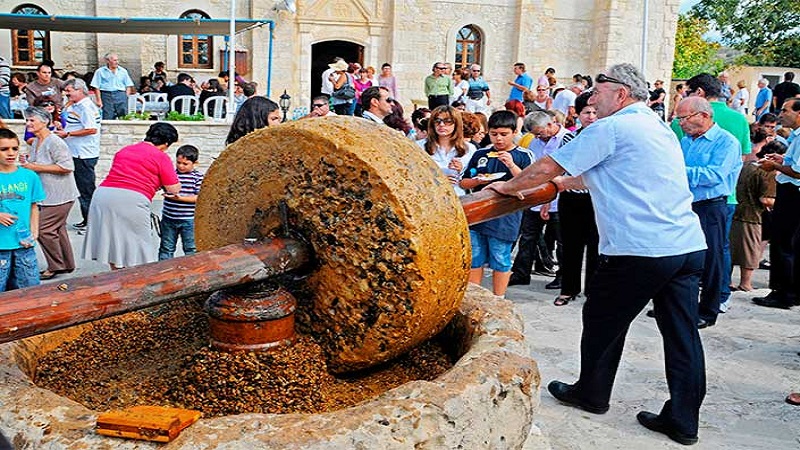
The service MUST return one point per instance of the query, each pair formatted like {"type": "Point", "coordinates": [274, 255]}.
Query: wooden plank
{"type": "Point", "coordinates": [52, 306]}
{"type": "Point", "coordinates": [151, 423]}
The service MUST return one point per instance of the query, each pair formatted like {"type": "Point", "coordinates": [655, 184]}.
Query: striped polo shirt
{"type": "Point", "coordinates": [190, 185]}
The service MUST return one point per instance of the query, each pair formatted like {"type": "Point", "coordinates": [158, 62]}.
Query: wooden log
{"type": "Point", "coordinates": [486, 205]}
{"type": "Point", "coordinates": [49, 307]}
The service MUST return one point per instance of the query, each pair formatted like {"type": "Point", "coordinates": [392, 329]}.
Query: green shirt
{"type": "Point", "coordinates": [441, 85]}
{"type": "Point", "coordinates": [731, 121]}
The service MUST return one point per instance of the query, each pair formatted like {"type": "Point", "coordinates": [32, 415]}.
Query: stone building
{"type": "Point", "coordinates": [573, 36]}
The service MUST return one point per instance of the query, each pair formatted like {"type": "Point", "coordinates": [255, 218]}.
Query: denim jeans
{"type": "Point", "coordinates": [85, 180]}
{"type": "Point", "coordinates": [5, 107]}
{"type": "Point", "coordinates": [18, 269]}
{"type": "Point", "coordinates": [170, 230]}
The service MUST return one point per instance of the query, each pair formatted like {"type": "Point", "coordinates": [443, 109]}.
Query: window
{"type": "Point", "coordinates": [194, 51]}
{"type": "Point", "coordinates": [29, 47]}
{"type": "Point", "coordinates": [468, 47]}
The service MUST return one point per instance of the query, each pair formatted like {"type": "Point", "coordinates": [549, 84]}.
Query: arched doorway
{"type": "Point", "coordinates": [322, 54]}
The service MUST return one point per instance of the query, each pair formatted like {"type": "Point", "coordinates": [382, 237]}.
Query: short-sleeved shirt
{"type": "Point", "coordinates": [713, 161]}
{"type": "Point", "coordinates": [524, 80]}
{"type": "Point", "coordinates": [141, 168]}
{"type": "Point", "coordinates": [506, 227]}
{"type": "Point", "coordinates": [18, 191]}
{"type": "Point", "coordinates": [564, 100]}
{"type": "Point", "coordinates": [107, 80]}
{"type": "Point", "coordinates": [82, 116]}
{"type": "Point", "coordinates": [477, 88]}
{"type": "Point", "coordinates": [441, 85]}
{"type": "Point", "coordinates": [34, 90]}
{"type": "Point", "coordinates": [791, 159]}
{"type": "Point", "coordinates": [60, 188]}
{"type": "Point", "coordinates": [633, 166]}
{"type": "Point", "coordinates": [784, 90]}
{"type": "Point", "coordinates": [764, 97]}
{"type": "Point", "coordinates": [540, 149]}
{"type": "Point", "coordinates": [753, 184]}
{"type": "Point", "coordinates": [190, 185]}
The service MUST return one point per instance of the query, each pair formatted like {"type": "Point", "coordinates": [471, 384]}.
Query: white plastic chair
{"type": "Point", "coordinates": [135, 103]}
{"type": "Point", "coordinates": [220, 107]}
{"type": "Point", "coordinates": [189, 104]}
{"type": "Point", "coordinates": [155, 102]}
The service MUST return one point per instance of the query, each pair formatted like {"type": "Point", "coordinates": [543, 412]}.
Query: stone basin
{"type": "Point", "coordinates": [485, 401]}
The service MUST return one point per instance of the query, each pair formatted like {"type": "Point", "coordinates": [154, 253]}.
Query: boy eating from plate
{"type": "Point", "coordinates": [492, 241]}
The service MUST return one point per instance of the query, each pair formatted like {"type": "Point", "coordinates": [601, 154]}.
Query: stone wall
{"type": "Point", "coordinates": [209, 137]}
{"type": "Point", "coordinates": [574, 36]}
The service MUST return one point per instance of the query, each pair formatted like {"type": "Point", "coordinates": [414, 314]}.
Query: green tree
{"type": "Point", "coordinates": [693, 53]}
{"type": "Point", "coordinates": [766, 31]}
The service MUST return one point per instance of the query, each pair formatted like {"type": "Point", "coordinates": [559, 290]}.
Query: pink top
{"type": "Point", "coordinates": [141, 168]}
{"type": "Point", "coordinates": [361, 87]}
{"type": "Point", "coordinates": [389, 83]}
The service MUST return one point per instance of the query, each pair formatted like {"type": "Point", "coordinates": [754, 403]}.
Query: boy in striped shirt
{"type": "Point", "coordinates": [177, 216]}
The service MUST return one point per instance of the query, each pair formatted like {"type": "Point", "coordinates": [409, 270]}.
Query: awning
{"type": "Point", "coordinates": [125, 25]}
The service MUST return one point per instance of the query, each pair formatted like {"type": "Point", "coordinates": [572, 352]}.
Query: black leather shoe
{"type": "Point", "coordinates": [545, 272]}
{"type": "Point", "coordinates": [772, 302]}
{"type": "Point", "coordinates": [555, 284]}
{"type": "Point", "coordinates": [517, 282]}
{"type": "Point", "coordinates": [654, 423]}
{"type": "Point", "coordinates": [565, 393]}
{"type": "Point", "coordinates": [651, 313]}
{"type": "Point", "coordinates": [702, 323]}
{"type": "Point", "coordinates": [764, 265]}
{"type": "Point", "coordinates": [79, 225]}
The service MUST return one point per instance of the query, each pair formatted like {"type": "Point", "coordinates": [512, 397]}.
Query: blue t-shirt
{"type": "Point", "coordinates": [18, 190]}
{"type": "Point", "coordinates": [523, 79]}
{"type": "Point", "coordinates": [506, 227]}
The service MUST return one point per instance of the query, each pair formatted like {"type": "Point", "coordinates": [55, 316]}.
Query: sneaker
{"type": "Point", "coordinates": [724, 307]}
{"type": "Point", "coordinates": [764, 265]}
{"type": "Point", "coordinates": [545, 271]}
{"type": "Point", "coordinates": [79, 225]}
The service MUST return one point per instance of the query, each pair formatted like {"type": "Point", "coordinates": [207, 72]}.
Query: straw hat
{"type": "Point", "coordinates": [339, 65]}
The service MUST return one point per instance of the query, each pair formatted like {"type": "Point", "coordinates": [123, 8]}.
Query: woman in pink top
{"type": "Point", "coordinates": [119, 231]}
{"type": "Point", "coordinates": [387, 80]}
{"type": "Point", "coordinates": [361, 84]}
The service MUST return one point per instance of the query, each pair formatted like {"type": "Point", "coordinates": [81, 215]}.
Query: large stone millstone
{"type": "Point", "coordinates": [389, 234]}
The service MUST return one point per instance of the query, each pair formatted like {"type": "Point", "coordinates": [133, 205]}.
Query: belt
{"type": "Point", "coordinates": [711, 200]}
{"type": "Point", "coordinates": [439, 95]}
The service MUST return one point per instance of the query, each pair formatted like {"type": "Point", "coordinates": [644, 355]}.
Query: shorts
{"type": "Point", "coordinates": [18, 269]}
{"type": "Point", "coordinates": [495, 252]}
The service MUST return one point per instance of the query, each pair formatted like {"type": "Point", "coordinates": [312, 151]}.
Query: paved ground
{"type": "Point", "coordinates": [751, 359]}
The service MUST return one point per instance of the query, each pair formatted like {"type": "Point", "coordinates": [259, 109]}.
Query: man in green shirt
{"type": "Point", "coordinates": [709, 87]}
{"type": "Point", "coordinates": [438, 87]}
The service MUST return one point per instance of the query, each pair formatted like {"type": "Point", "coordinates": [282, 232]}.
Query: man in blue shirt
{"type": "Point", "coordinates": [112, 84]}
{"type": "Point", "coordinates": [784, 254]}
{"type": "Point", "coordinates": [522, 83]}
{"type": "Point", "coordinates": [713, 162]}
{"type": "Point", "coordinates": [651, 246]}
{"type": "Point", "coordinates": [763, 99]}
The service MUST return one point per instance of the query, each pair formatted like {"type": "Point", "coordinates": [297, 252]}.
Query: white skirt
{"type": "Point", "coordinates": [119, 230]}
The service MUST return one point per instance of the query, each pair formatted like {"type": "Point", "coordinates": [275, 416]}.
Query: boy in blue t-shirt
{"type": "Point", "coordinates": [177, 216]}
{"type": "Point", "coordinates": [492, 241]}
{"type": "Point", "coordinates": [20, 191]}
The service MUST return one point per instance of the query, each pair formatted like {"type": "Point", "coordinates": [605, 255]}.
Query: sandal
{"type": "Point", "coordinates": [562, 300]}
{"type": "Point", "coordinates": [793, 399]}
{"type": "Point", "coordinates": [47, 275]}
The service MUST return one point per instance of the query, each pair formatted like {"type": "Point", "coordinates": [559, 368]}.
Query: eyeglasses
{"type": "Point", "coordinates": [317, 105]}
{"type": "Point", "coordinates": [440, 68]}
{"type": "Point", "coordinates": [476, 70]}
{"type": "Point", "coordinates": [541, 90]}
{"type": "Point", "coordinates": [443, 121]}
{"type": "Point", "coordinates": [603, 78]}
{"type": "Point", "coordinates": [687, 117]}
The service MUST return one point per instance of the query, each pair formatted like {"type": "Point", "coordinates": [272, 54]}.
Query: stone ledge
{"type": "Point", "coordinates": [485, 401]}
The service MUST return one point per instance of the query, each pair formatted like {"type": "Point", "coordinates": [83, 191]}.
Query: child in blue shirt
{"type": "Point", "coordinates": [20, 191]}
{"type": "Point", "coordinates": [177, 216]}
{"type": "Point", "coordinates": [492, 241]}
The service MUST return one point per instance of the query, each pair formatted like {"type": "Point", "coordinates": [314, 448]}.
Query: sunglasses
{"type": "Point", "coordinates": [443, 121]}
{"type": "Point", "coordinates": [389, 100]}
{"type": "Point", "coordinates": [441, 68]}
{"type": "Point", "coordinates": [318, 105]}
{"type": "Point", "coordinates": [47, 104]}
{"type": "Point", "coordinates": [603, 78]}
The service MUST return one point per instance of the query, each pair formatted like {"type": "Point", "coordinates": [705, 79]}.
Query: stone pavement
{"type": "Point", "coordinates": [751, 360]}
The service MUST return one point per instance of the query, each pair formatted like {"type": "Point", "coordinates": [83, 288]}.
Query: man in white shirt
{"type": "Point", "coordinates": [82, 135]}
{"type": "Point", "coordinates": [327, 84]}
{"type": "Point", "coordinates": [565, 100]}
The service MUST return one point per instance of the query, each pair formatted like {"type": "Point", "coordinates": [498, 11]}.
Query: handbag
{"type": "Point", "coordinates": [346, 92]}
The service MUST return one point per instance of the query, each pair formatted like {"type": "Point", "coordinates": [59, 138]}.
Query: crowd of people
{"type": "Point", "coordinates": [110, 87]}
{"type": "Point", "coordinates": [714, 190]}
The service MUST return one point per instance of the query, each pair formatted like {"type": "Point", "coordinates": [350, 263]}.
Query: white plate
{"type": "Point", "coordinates": [490, 176]}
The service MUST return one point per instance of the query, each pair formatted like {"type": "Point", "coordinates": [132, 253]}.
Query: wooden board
{"type": "Point", "coordinates": [151, 423]}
